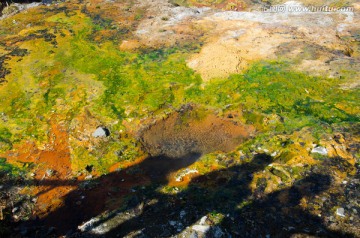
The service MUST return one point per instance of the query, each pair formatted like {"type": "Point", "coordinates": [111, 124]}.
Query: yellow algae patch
{"type": "Point", "coordinates": [129, 45]}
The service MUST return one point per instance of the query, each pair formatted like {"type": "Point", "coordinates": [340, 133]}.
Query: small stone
{"type": "Point", "coordinates": [15, 209]}
{"type": "Point", "coordinates": [340, 212]}
{"type": "Point", "coordinates": [101, 132]}
{"type": "Point", "coordinates": [320, 150]}
{"type": "Point", "coordinates": [201, 228]}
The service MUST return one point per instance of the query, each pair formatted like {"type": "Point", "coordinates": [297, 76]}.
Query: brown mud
{"type": "Point", "coordinates": [187, 131]}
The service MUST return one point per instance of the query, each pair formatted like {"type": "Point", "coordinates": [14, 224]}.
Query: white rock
{"type": "Point", "coordinates": [340, 212]}
{"type": "Point", "coordinates": [320, 150]}
{"type": "Point", "coordinates": [201, 228]}
{"type": "Point", "coordinates": [87, 226]}
{"type": "Point", "coordinates": [203, 220]}
{"type": "Point", "coordinates": [100, 132]}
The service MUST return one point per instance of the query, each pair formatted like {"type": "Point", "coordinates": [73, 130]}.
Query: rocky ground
{"type": "Point", "coordinates": [179, 118]}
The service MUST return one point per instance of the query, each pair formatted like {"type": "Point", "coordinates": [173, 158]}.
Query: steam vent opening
{"type": "Point", "coordinates": [192, 131]}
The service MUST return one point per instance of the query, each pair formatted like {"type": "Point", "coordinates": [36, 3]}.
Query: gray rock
{"type": "Point", "coordinates": [101, 132]}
